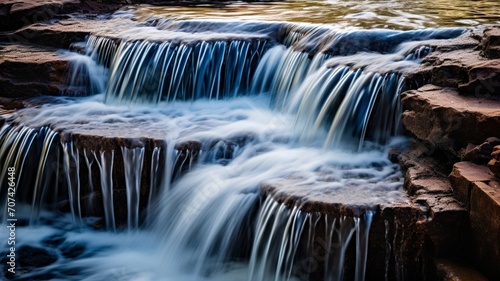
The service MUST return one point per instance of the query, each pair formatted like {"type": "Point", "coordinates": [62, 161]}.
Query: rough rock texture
{"type": "Point", "coordinates": [27, 71]}
{"type": "Point", "coordinates": [494, 163]}
{"type": "Point", "coordinates": [451, 120]}
{"type": "Point", "coordinates": [62, 33]}
{"type": "Point", "coordinates": [429, 224]}
{"type": "Point", "coordinates": [397, 234]}
{"type": "Point", "coordinates": [456, 117]}
{"type": "Point", "coordinates": [462, 64]}
{"type": "Point", "coordinates": [432, 191]}
{"type": "Point", "coordinates": [448, 270]}
{"type": "Point", "coordinates": [480, 190]}
{"type": "Point", "coordinates": [16, 13]}
{"type": "Point", "coordinates": [480, 154]}
{"type": "Point", "coordinates": [491, 43]}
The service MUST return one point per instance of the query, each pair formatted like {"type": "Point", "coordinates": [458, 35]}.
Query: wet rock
{"type": "Point", "coordinates": [451, 120]}
{"type": "Point", "coordinates": [30, 256]}
{"type": "Point", "coordinates": [27, 71]}
{"type": "Point", "coordinates": [72, 250]}
{"type": "Point", "coordinates": [54, 240]}
{"type": "Point", "coordinates": [449, 64]}
{"type": "Point", "coordinates": [187, 157]}
{"type": "Point", "coordinates": [461, 64]}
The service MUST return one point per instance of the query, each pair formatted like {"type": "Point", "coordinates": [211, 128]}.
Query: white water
{"type": "Point", "coordinates": [200, 220]}
{"type": "Point", "coordinates": [310, 119]}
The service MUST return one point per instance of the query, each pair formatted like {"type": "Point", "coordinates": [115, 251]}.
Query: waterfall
{"type": "Point", "coordinates": [133, 162]}
{"type": "Point", "coordinates": [287, 244]}
{"type": "Point", "coordinates": [146, 71]}
{"type": "Point", "coordinates": [179, 135]}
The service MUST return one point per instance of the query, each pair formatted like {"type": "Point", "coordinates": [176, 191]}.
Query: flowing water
{"type": "Point", "coordinates": [155, 162]}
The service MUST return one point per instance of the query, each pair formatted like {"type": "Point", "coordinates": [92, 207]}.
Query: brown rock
{"type": "Point", "coordinates": [461, 64]}
{"type": "Point", "coordinates": [495, 154]}
{"type": "Point", "coordinates": [480, 190]}
{"type": "Point", "coordinates": [18, 13]}
{"type": "Point", "coordinates": [449, 64]}
{"type": "Point", "coordinates": [27, 71]}
{"type": "Point", "coordinates": [494, 166]}
{"type": "Point", "coordinates": [448, 270]}
{"type": "Point", "coordinates": [463, 176]}
{"type": "Point", "coordinates": [485, 227]}
{"type": "Point", "coordinates": [451, 121]}
{"type": "Point", "coordinates": [480, 154]}
{"type": "Point", "coordinates": [491, 43]}
{"type": "Point", "coordinates": [60, 34]}
{"type": "Point", "coordinates": [483, 80]}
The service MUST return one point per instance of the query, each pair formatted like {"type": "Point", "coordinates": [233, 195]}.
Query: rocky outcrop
{"type": "Point", "coordinates": [490, 44]}
{"type": "Point", "coordinates": [27, 71]}
{"type": "Point", "coordinates": [480, 190]}
{"type": "Point", "coordinates": [452, 121]}
{"type": "Point", "coordinates": [467, 64]}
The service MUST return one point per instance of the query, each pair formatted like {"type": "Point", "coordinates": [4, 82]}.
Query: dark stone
{"type": "Point", "coordinates": [450, 270]}
{"type": "Point", "coordinates": [72, 250]}
{"type": "Point", "coordinates": [30, 256]}
{"type": "Point", "coordinates": [54, 240]}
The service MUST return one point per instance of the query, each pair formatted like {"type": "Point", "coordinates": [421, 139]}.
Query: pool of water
{"type": "Point", "coordinates": [346, 14]}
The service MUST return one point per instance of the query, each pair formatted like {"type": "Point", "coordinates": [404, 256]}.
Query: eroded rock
{"type": "Point", "coordinates": [451, 120]}
{"type": "Point", "coordinates": [480, 154]}
{"type": "Point", "coordinates": [491, 43]}
{"type": "Point", "coordinates": [27, 71]}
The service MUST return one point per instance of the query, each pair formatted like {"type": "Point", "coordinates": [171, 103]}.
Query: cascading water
{"type": "Point", "coordinates": [230, 114]}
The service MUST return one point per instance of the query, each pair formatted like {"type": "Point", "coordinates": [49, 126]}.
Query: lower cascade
{"type": "Point", "coordinates": [240, 156]}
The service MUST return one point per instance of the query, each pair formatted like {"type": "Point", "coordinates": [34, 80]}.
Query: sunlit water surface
{"type": "Point", "coordinates": [347, 14]}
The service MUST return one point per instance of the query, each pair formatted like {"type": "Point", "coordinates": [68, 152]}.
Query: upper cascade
{"type": "Point", "coordinates": [341, 85]}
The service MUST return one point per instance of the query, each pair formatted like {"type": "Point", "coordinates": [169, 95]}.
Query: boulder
{"type": "Point", "coordinates": [30, 256]}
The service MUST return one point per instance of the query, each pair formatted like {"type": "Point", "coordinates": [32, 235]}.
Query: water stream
{"type": "Point", "coordinates": [153, 163]}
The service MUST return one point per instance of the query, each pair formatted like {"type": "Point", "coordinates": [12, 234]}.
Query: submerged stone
{"type": "Point", "coordinates": [30, 256]}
